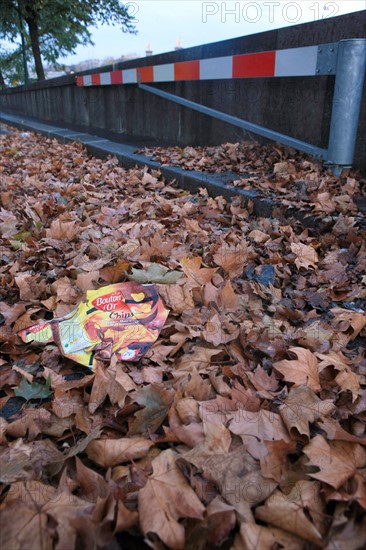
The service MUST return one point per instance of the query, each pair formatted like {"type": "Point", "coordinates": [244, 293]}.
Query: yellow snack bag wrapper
{"type": "Point", "coordinates": [123, 319]}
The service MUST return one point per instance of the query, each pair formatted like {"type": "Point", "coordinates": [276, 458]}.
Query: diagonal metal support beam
{"type": "Point", "coordinates": [244, 124]}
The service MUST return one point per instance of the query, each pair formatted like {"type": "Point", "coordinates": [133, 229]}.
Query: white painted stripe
{"type": "Point", "coordinates": [129, 76]}
{"type": "Point", "coordinates": [105, 78]}
{"type": "Point", "coordinates": [164, 73]}
{"type": "Point", "coordinates": [217, 67]}
{"type": "Point", "coordinates": [296, 61]}
{"type": "Point", "coordinates": [87, 80]}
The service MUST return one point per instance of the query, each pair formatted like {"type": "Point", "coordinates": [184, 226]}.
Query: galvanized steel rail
{"type": "Point", "coordinates": [345, 59]}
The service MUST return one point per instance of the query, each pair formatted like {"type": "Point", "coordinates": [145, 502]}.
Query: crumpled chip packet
{"type": "Point", "coordinates": [123, 319]}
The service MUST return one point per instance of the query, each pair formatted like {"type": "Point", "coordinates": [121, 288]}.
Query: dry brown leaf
{"type": "Point", "coordinates": [28, 509]}
{"type": "Point", "coordinates": [253, 536]}
{"type": "Point", "coordinates": [114, 273]}
{"type": "Point", "coordinates": [196, 274]}
{"type": "Point", "coordinates": [232, 258]}
{"type": "Point", "coordinates": [335, 431]}
{"type": "Point", "coordinates": [301, 408]}
{"type": "Point", "coordinates": [165, 499]}
{"type": "Point", "coordinates": [29, 287]}
{"type": "Point", "coordinates": [11, 313]}
{"type": "Point", "coordinates": [26, 525]}
{"type": "Point", "coordinates": [110, 452]}
{"type": "Point", "coordinates": [337, 461]}
{"type": "Point", "coordinates": [349, 321]}
{"type": "Point", "coordinates": [301, 371]}
{"type": "Point", "coordinates": [65, 290]}
{"type": "Point", "coordinates": [306, 256]}
{"type": "Point", "coordinates": [351, 535]}
{"type": "Point", "coordinates": [105, 384]}
{"type": "Point", "coordinates": [349, 381]}
{"type": "Point", "coordinates": [200, 358]}
{"type": "Point", "coordinates": [259, 236]}
{"type": "Point", "coordinates": [220, 521]}
{"type": "Point", "coordinates": [62, 230]}
{"type": "Point", "coordinates": [255, 428]}
{"type": "Point", "coordinates": [87, 281]}
{"type": "Point", "coordinates": [298, 511]}
{"type": "Point", "coordinates": [176, 297]}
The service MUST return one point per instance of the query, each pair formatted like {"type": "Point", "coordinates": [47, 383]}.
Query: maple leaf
{"type": "Point", "coordinates": [29, 287]}
{"type": "Point", "coordinates": [221, 520]}
{"type": "Point", "coordinates": [346, 378]}
{"type": "Point", "coordinates": [275, 464]}
{"type": "Point", "coordinates": [306, 256]}
{"type": "Point", "coordinates": [349, 321]}
{"type": "Point", "coordinates": [65, 290]}
{"type": "Point", "coordinates": [297, 512]}
{"type": "Point", "coordinates": [303, 370]}
{"type": "Point", "coordinates": [107, 382]}
{"type": "Point", "coordinates": [196, 274]}
{"type": "Point", "coordinates": [28, 507]}
{"type": "Point", "coordinates": [33, 391]}
{"type": "Point", "coordinates": [301, 408]}
{"type": "Point", "coordinates": [255, 428]}
{"type": "Point", "coordinates": [29, 530]}
{"type": "Point", "coordinates": [335, 431]}
{"type": "Point", "coordinates": [353, 490]}
{"type": "Point", "coordinates": [256, 536]}
{"type": "Point", "coordinates": [36, 421]}
{"type": "Point", "coordinates": [165, 499]}
{"type": "Point", "coordinates": [258, 236]}
{"type": "Point", "coordinates": [156, 401]}
{"type": "Point", "coordinates": [11, 313]}
{"type": "Point", "coordinates": [261, 380]}
{"type": "Point", "coordinates": [110, 452]}
{"type": "Point", "coordinates": [92, 484]}
{"type": "Point", "coordinates": [9, 224]}
{"type": "Point", "coordinates": [232, 258]}
{"type": "Point", "coordinates": [87, 281]}
{"type": "Point", "coordinates": [337, 461]}
{"type": "Point", "coordinates": [60, 230]}
{"type": "Point", "coordinates": [219, 331]}
{"type": "Point", "coordinates": [349, 381]}
{"type": "Point", "coordinates": [176, 297]}
{"type": "Point", "coordinates": [114, 273]}
{"type": "Point", "coordinates": [15, 462]}
{"type": "Point", "coordinates": [235, 473]}
{"type": "Point", "coordinates": [200, 358]}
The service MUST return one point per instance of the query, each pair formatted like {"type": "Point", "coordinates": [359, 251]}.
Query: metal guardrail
{"type": "Point", "coordinates": [345, 59]}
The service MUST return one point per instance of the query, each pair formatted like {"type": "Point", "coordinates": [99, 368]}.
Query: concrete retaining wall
{"type": "Point", "coordinates": [298, 106]}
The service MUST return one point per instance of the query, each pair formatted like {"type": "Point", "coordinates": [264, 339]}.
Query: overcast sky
{"type": "Point", "coordinates": [198, 22]}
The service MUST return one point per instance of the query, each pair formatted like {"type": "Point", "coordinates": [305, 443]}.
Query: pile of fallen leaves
{"type": "Point", "coordinates": [273, 171]}
{"type": "Point", "coordinates": [243, 427]}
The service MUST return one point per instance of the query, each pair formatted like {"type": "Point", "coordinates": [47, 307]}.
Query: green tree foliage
{"type": "Point", "coordinates": [12, 65]}
{"type": "Point", "coordinates": [53, 28]}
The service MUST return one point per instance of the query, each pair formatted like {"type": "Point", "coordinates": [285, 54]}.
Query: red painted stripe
{"type": "Point", "coordinates": [146, 74]}
{"type": "Point", "coordinates": [116, 77]}
{"type": "Point", "coordinates": [254, 64]}
{"type": "Point", "coordinates": [187, 70]}
{"type": "Point", "coordinates": [95, 78]}
{"type": "Point", "coordinates": [79, 81]}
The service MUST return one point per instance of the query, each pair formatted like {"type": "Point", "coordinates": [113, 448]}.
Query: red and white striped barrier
{"type": "Point", "coordinates": [291, 62]}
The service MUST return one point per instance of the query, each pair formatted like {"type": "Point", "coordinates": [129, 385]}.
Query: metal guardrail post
{"type": "Point", "coordinates": [350, 72]}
